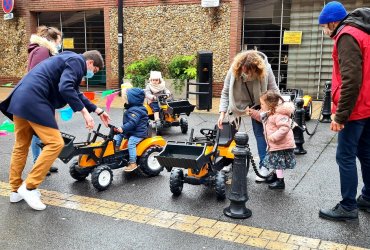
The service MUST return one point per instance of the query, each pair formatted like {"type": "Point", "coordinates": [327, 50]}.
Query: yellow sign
{"type": "Point", "coordinates": [292, 37]}
{"type": "Point", "coordinates": [68, 43]}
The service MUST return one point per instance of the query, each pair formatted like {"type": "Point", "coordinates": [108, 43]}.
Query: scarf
{"type": "Point", "coordinates": [155, 88]}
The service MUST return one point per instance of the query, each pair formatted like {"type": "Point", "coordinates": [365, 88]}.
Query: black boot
{"type": "Point", "coordinates": [271, 179]}
{"type": "Point", "coordinates": [53, 169]}
{"type": "Point", "coordinates": [278, 184]}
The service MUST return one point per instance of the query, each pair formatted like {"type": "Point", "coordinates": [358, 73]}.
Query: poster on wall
{"type": "Point", "coordinates": [210, 3]}
{"type": "Point", "coordinates": [68, 43]}
{"type": "Point", "coordinates": [292, 37]}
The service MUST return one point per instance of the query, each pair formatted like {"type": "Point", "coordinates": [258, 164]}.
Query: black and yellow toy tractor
{"type": "Point", "coordinates": [170, 112]}
{"type": "Point", "coordinates": [202, 158]}
{"type": "Point", "coordinates": [99, 157]}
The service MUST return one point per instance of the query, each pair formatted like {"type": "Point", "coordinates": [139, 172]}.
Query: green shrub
{"type": "Point", "coordinates": [139, 71]}
{"type": "Point", "coordinates": [182, 68]}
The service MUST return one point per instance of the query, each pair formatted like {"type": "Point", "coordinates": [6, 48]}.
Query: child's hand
{"type": "Point", "coordinates": [248, 111]}
{"type": "Point", "coordinates": [118, 130]}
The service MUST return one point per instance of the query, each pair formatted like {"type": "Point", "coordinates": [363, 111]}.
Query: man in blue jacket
{"type": "Point", "coordinates": [135, 123]}
{"type": "Point", "coordinates": [50, 85]}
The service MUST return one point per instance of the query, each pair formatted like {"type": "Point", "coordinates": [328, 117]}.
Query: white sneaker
{"type": "Point", "coordinates": [32, 197]}
{"type": "Point", "coordinates": [264, 172]}
{"type": "Point", "coordinates": [15, 197]}
{"type": "Point", "coordinates": [227, 168]}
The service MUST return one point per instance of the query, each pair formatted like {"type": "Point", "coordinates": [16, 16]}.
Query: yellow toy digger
{"type": "Point", "coordinates": [170, 112]}
{"type": "Point", "coordinates": [98, 158]}
{"type": "Point", "coordinates": [202, 158]}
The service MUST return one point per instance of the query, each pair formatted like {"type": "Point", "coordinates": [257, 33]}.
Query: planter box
{"type": "Point", "coordinates": [182, 95]}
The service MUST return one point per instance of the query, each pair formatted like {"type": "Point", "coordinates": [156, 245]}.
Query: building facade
{"type": "Point", "coordinates": [166, 28]}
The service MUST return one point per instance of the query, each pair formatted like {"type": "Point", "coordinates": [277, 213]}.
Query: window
{"type": "Point", "coordinates": [82, 31]}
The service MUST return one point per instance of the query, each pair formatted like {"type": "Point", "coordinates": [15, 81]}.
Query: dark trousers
{"type": "Point", "coordinates": [354, 141]}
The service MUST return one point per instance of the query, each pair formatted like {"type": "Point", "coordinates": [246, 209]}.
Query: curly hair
{"type": "Point", "coordinates": [272, 98]}
{"type": "Point", "coordinates": [253, 62]}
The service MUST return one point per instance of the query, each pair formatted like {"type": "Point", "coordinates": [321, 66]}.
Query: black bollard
{"type": "Point", "coordinates": [298, 132]}
{"type": "Point", "coordinates": [326, 110]}
{"type": "Point", "coordinates": [239, 194]}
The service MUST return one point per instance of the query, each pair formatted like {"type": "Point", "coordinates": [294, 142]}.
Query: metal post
{"type": "Point", "coordinates": [298, 132]}
{"type": "Point", "coordinates": [326, 110]}
{"type": "Point", "coordinates": [120, 41]}
{"type": "Point", "coordinates": [239, 193]}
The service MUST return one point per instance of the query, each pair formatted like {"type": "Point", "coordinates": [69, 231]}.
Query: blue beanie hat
{"type": "Point", "coordinates": [332, 12]}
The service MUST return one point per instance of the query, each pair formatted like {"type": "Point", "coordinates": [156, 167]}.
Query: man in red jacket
{"type": "Point", "coordinates": [351, 104]}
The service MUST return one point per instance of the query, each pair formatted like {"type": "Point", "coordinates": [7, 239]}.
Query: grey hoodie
{"type": "Point", "coordinates": [235, 97]}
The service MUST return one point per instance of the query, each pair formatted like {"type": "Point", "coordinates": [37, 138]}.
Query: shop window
{"type": "Point", "coordinates": [82, 31]}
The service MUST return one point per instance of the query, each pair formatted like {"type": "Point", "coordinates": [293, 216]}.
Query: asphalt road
{"type": "Point", "coordinates": [312, 185]}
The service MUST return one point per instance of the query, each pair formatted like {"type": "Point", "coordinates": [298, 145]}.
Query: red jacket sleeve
{"type": "Point", "coordinates": [36, 56]}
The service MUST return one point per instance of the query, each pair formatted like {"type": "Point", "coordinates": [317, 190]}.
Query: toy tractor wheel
{"type": "Point", "coordinates": [308, 112]}
{"type": "Point", "coordinates": [148, 163]}
{"type": "Point", "coordinates": [176, 181]}
{"type": "Point", "coordinates": [77, 175]}
{"type": "Point", "coordinates": [102, 177]}
{"type": "Point", "coordinates": [184, 125]}
{"type": "Point", "coordinates": [220, 185]}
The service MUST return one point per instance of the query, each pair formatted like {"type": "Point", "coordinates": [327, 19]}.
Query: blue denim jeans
{"type": "Point", "coordinates": [260, 138]}
{"type": "Point", "coordinates": [132, 142]}
{"type": "Point", "coordinates": [36, 150]}
{"type": "Point", "coordinates": [154, 105]}
{"type": "Point", "coordinates": [118, 138]}
{"type": "Point", "coordinates": [353, 140]}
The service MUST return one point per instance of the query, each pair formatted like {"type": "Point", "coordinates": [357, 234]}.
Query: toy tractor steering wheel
{"type": "Point", "coordinates": [208, 133]}
{"type": "Point", "coordinates": [162, 98]}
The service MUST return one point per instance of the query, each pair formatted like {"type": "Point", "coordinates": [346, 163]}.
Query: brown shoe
{"type": "Point", "coordinates": [131, 167]}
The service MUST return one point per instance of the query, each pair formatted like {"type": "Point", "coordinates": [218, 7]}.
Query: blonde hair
{"type": "Point", "coordinates": [272, 98]}
{"type": "Point", "coordinates": [253, 62]}
{"type": "Point", "coordinates": [50, 33]}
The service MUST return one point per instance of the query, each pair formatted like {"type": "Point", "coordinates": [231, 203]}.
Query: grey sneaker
{"type": "Point", "coordinates": [338, 213]}
{"type": "Point", "coordinates": [363, 204]}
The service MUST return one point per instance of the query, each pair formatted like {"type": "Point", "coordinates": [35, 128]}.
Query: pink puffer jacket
{"type": "Point", "coordinates": [277, 127]}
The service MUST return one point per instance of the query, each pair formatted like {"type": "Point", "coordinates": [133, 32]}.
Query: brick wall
{"type": "Point", "coordinates": [26, 10]}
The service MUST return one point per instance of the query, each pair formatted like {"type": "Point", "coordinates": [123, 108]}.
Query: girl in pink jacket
{"type": "Point", "coordinates": [275, 114]}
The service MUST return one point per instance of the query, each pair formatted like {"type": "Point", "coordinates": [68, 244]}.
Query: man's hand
{"type": "Point", "coordinates": [248, 111]}
{"type": "Point", "coordinates": [89, 121]}
{"type": "Point", "coordinates": [104, 117]}
{"type": "Point", "coordinates": [336, 127]}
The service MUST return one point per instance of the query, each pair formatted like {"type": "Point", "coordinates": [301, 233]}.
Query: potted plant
{"type": "Point", "coordinates": [181, 68]}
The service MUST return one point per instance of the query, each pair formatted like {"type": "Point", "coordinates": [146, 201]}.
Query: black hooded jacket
{"type": "Point", "coordinates": [350, 62]}
{"type": "Point", "coordinates": [359, 18]}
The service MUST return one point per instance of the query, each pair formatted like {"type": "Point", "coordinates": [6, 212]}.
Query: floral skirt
{"type": "Point", "coordinates": [282, 159]}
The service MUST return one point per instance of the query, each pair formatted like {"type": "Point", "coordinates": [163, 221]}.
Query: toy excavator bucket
{"type": "Point", "coordinates": [183, 155]}
{"type": "Point", "coordinates": [68, 150]}
{"type": "Point", "coordinates": [180, 107]}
